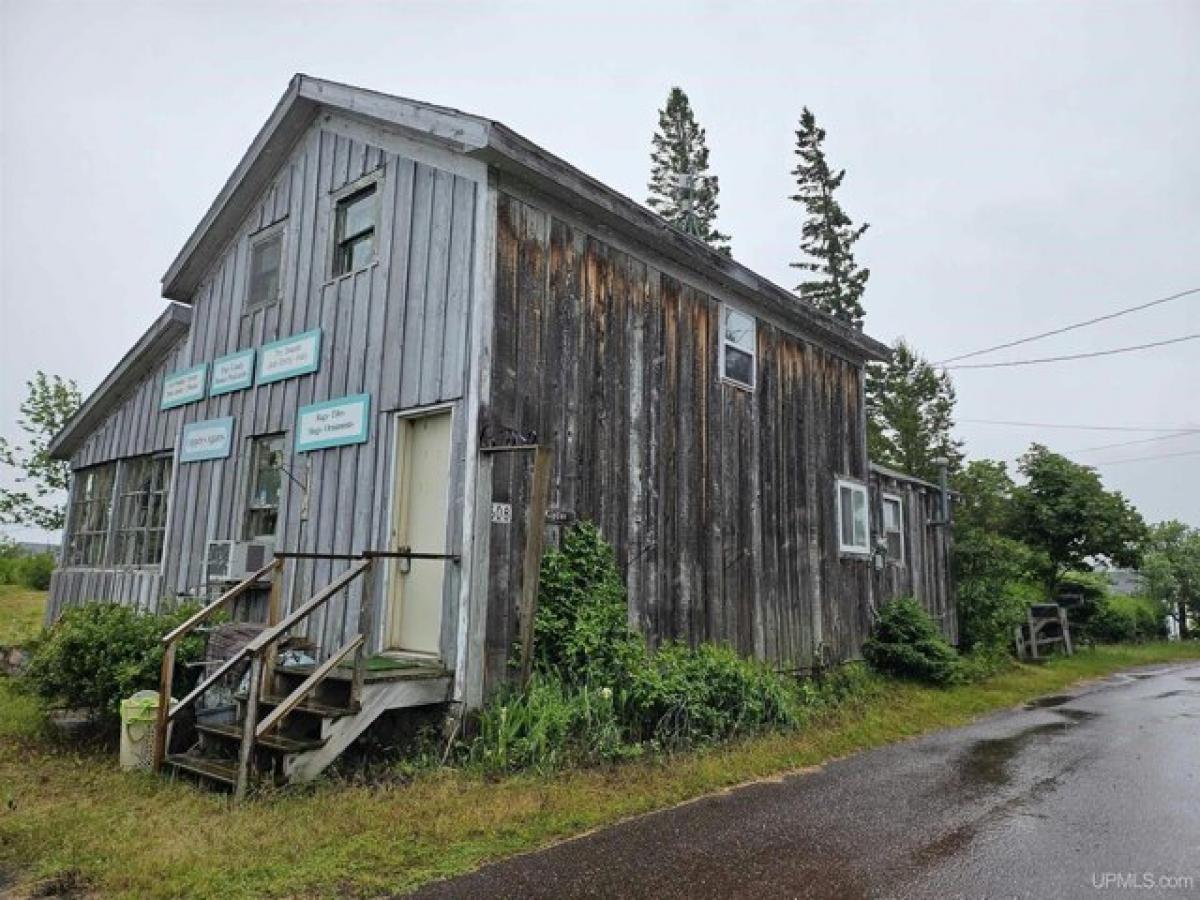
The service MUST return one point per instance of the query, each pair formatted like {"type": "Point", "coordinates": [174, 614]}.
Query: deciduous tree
{"type": "Point", "coordinates": [37, 500]}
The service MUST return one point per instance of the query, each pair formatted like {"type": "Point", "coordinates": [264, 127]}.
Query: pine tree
{"type": "Point", "coordinates": [681, 189]}
{"type": "Point", "coordinates": [910, 409]}
{"type": "Point", "coordinates": [828, 236]}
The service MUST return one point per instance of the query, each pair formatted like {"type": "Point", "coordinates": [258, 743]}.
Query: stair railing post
{"type": "Point", "coordinates": [165, 678]}
{"type": "Point", "coordinates": [274, 614]}
{"type": "Point", "coordinates": [249, 724]}
{"type": "Point", "coordinates": [366, 627]}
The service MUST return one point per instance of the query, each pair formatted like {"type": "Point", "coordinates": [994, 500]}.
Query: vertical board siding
{"type": "Point", "coordinates": [926, 572]}
{"type": "Point", "coordinates": [396, 330]}
{"type": "Point", "coordinates": [717, 500]}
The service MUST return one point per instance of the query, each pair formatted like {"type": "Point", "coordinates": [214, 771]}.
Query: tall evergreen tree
{"type": "Point", "coordinates": [910, 407]}
{"type": "Point", "coordinates": [682, 190]}
{"type": "Point", "coordinates": [828, 236]}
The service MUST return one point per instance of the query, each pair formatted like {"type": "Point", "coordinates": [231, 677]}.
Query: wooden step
{"type": "Point", "coordinates": [309, 706]}
{"type": "Point", "coordinates": [399, 671]}
{"type": "Point", "coordinates": [271, 741]}
{"type": "Point", "coordinates": [221, 770]}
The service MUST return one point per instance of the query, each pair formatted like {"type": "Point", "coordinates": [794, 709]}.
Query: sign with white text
{"type": "Point", "coordinates": [334, 423]}
{"type": "Point", "coordinates": [292, 356]}
{"type": "Point", "coordinates": [234, 372]}
{"type": "Point", "coordinates": [210, 439]}
{"type": "Point", "coordinates": [184, 386]}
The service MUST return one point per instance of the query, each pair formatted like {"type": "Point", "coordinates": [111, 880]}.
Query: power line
{"type": "Point", "coordinates": [1093, 354]}
{"type": "Point", "coordinates": [1176, 429]}
{"type": "Point", "coordinates": [1115, 462]}
{"type": "Point", "coordinates": [1066, 328]}
{"type": "Point", "coordinates": [1163, 437]}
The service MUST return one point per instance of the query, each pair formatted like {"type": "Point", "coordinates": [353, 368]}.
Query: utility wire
{"type": "Point", "coordinates": [1164, 437]}
{"type": "Point", "coordinates": [1066, 328]}
{"type": "Point", "coordinates": [1093, 354]}
{"type": "Point", "coordinates": [1176, 429]}
{"type": "Point", "coordinates": [1115, 462]}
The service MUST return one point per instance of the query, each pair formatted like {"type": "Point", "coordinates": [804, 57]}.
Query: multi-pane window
{"type": "Point", "coordinates": [266, 260]}
{"type": "Point", "coordinates": [737, 346]}
{"type": "Point", "coordinates": [91, 508]}
{"type": "Point", "coordinates": [853, 522]}
{"type": "Point", "coordinates": [354, 231]}
{"type": "Point", "coordinates": [893, 527]}
{"type": "Point", "coordinates": [145, 485]}
{"type": "Point", "coordinates": [266, 472]}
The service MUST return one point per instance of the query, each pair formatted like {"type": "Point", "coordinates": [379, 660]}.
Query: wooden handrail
{"type": "Point", "coordinates": [273, 634]}
{"type": "Point", "coordinates": [307, 686]}
{"type": "Point", "coordinates": [167, 673]}
{"type": "Point", "coordinates": [240, 588]}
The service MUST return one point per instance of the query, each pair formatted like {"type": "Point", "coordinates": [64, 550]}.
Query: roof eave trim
{"type": "Point", "coordinates": [156, 341]}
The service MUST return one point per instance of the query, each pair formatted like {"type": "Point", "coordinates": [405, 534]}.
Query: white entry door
{"type": "Point", "coordinates": [419, 523]}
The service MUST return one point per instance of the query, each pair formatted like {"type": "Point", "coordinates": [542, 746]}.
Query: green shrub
{"type": "Point", "coordinates": [96, 655]}
{"type": "Point", "coordinates": [33, 571]}
{"type": "Point", "coordinates": [599, 692]}
{"type": "Point", "coordinates": [1117, 620]}
{"type": "Point", "coordinates": [906, 643]}
{"type": "Point", "coordinates": [996, 583]}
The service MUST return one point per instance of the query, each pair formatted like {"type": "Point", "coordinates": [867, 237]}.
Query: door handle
{"type": "Point", "coordinates": [404, 564]}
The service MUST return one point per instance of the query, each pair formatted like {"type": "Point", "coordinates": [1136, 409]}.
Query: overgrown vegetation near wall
{"type": "Point", "coordinates": [28, 570]}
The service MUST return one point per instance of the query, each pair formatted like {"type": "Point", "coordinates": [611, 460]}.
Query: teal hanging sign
{"type": "Point", "coordinates": [299, 354]}
{"type": "Point", "coordinates": [334, 423]}
{"type": "Point", "coordinates": [210, 439]}
{"type": "Point", "coordinates": [184, 386]}
{"type": "Point", "coordinates": [234, 372]}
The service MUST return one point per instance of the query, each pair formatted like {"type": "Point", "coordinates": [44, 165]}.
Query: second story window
{"type": "Point", "coordinates": [262, 502]}
{"type": "Point", "coordinates": [852, 519]}
{"type": "Point", "coordinates": [354, 231]}
{"type": "Point", "coordinates": [893, 527]}
{"type": "Point", "coordinates": [266, 261]}
{"type": "Point", "coordinates": [738, 346]}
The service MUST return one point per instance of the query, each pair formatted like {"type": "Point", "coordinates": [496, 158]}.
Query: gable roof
{"type": "Point", "coordinates": [141, 359]}
{"type": "Point", "coordinates": [507, 151]}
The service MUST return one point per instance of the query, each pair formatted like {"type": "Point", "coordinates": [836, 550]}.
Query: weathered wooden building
{"type": "Point", "coordinates": [386, 295]}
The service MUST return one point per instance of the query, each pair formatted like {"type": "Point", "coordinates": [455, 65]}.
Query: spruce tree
{"type": "Point", "coordinates": [910, 408]}
{"type": "Point", "coordinates": [828, 236]}
{"type": "Point", "coordinates": [682, 190]}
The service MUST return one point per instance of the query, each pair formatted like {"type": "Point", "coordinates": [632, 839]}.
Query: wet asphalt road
{"type": "Point", "coordinates": [1047, 801]}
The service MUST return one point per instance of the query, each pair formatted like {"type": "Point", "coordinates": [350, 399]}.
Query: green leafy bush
{"type": "Point", "coordinates": [906, 643]}
{"type": "Point", "coordinates": [996, 583]}
{"type": "Point", "coordinates": [600, 693]}
{"type": "Point", "coordinates": [34, 570]}
{"type": "Point", "coordinates": [1119, 620]}
{"type": "Point", "coordinates": [96, 655]}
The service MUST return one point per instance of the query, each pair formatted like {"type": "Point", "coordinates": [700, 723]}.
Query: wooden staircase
{"type": "Point", "coordinates": [290, 722]}
{"type": "Point", "coordinates": [314, 732]}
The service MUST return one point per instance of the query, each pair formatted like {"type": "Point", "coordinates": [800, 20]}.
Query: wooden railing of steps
{"type": "Point", "coordinates": [262, 649]}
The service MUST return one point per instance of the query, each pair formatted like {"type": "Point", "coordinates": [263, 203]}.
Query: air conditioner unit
{"type": "Point", "coordinates": [236, 560]}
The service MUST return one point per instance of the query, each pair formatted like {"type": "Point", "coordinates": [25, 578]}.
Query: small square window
{"type": "Point", "coordinates": [738, 346]}
{"type": "Point", "coordinates": [853, 521]}
{"type": "Point", "coordinates": [266, 261]}
{"type": "Point", "coordinates": [893, 527]}
{"type": "Point", "coordinates": [354, 231]}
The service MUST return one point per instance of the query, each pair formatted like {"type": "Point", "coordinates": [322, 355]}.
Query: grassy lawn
{"type": "Point", "coordinates": [20, 614]}
{"type": "Point", "coordinates": [70, 816]}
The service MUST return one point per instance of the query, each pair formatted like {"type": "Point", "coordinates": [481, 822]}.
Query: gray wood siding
{"type": "Point", "coordinates": [926, 572]}
{"type": "Point", "coordinates": [718, 501]}
{"type": "Point", "coordinates": [397, 330]}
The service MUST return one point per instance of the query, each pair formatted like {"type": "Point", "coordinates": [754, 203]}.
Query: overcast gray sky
{"type": "Point", "coordinates": [1022, 165]}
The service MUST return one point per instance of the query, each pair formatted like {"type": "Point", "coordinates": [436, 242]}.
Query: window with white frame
{"type": "Point", "coordinates": [853, 522]}
{"type": "Point", "coordinates": [354, 230]}
{"type": "Point", "coordinates": [91, 511]}
{"type": "Point", "coordinates": [893, 527]}
{"type": "Point", "coordinates": [266, 264]}
{"type": "Point", "coordinates": [145, 485]}
{"type": "Point", "coordinates": [738, 347]}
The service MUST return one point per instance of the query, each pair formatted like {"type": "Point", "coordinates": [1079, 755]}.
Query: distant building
{"type": "Point", "coordinates": [1125, 582]}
